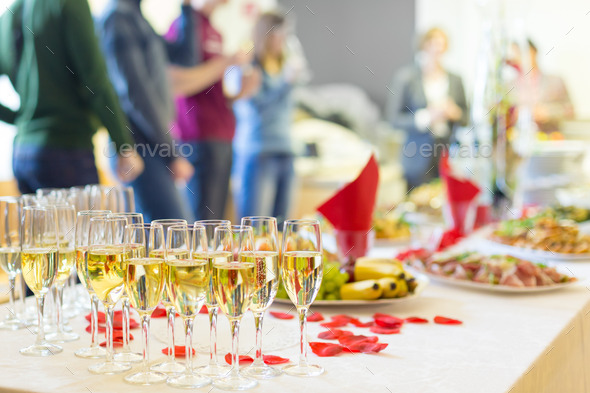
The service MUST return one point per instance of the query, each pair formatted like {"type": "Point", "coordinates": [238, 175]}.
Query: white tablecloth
{"type": "Point", "coordinates": [508, 343]}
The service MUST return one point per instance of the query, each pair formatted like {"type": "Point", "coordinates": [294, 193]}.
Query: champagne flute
{"type": "Point", "coordinates": [213, 369]}
{"type": "Point", "coordinates": [144, 282]}
{"type": "Point", "coordinates": [39, 249]}
{"type": "Point", "coordinates": [302, 271]}
{"type": "Point", "coordinates": [125, 354]}
{"type": "Point", "coordinates": [233, 284]}
{"type": "Point", "coordinates": [170, 365]}
{"type": "Point", "coordinates": [107, 255]}
{"type": "Point", "coordinates": [66, 217]}
{"type": "Point", "coordinates": [10, 216]}
{"type": "Point", "coordinates": [94, 351]}
{"type": "Point", "coordinates": [26, 313]}
{"type": "Point", "coordinates": [266, 262]}
{"type": "Point", "coordinates": [187, 282]}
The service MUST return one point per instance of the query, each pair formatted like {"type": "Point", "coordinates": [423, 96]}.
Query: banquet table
{"type": "Point", "coordinates": [507, 343]}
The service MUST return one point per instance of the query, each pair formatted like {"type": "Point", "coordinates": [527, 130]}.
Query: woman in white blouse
{"type": "Point", "coordinates": [429, 102]}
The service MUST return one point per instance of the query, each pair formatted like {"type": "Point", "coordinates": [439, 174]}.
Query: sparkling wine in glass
{"type": "Point", "coordinates": [10, 221]}
{"type": "Point", "coordinates": [106, 259]}
{"type": "Point", "coordinates": [233, 284]}
{"type": "Point", "coordinates": [144, 282]}
{"type": "Point", "coordinates": [302, 271]}
{"type": "Point", "coordinates": [169, 365]}
{"type": "Point", "coordinates": [187, 282]}
{"type": "Point", "coordinates": [213, 369]}
{"type": "Point", "coordinates": [39, 253]}
{"type": "Point", "coordinates": [94, 351]}
{"type": "Point", "coordinates": [266, 262]}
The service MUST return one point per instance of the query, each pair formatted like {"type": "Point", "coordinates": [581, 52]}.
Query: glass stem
{"type": "Point", "coordinates": [93, 321]}
{"type": "Point", "coordinates": [235, 338]}
{"type": "Point", "coordinates": [303, 341]}
{"type": "Point", "coordinates": [188, 345]}
{"type": "Point", "coordinates": [40, 328]}
{"type": "Point", "coordinates": [125, 325]}
{"type": "Point", "coordinates": [171, 314]}
{"type": "Point", "coordinates": [12, 310]}
{"type": "Point", "coordinates": [109, 313]}
{"type": "Point", "coordinates": [59, 301]}
{"type": "Point", "coordinates": [212, 335]}
{"type": "Point", "coordinates": [145, 327]}
{"type": "Point", "coordinates": [23, 297]}
{"type": "Point", "coordinates": [258, 324]}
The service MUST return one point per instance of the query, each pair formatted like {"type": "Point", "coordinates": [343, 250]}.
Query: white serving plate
{"type": "Point", "coordinates": [421, 278]}
{"type": "Point", "coordinates": [532, 254]}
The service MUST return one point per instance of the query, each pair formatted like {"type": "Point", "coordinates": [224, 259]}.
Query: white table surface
{"type": "Point", "coordinates": [508, 343]}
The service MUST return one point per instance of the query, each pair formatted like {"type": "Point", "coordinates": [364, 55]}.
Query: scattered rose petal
{"type": "Point", "coordinates": [133, 324]}
{"type": "Point", "coordinates": [342, 317]}
{"type": "Point", "coordinates": [159, 312]}
{"type": "Point", "coordinates": [349, 340]}
{"type": "Point", "coordinates": [416, 320]}
{"type": "Point", "coordinates": [101, 329]}
{"type": "Point", "coordinates": [356, 322]}
{"type": "Point", "coordinates": [315, 317]}
{"type": "Point", "coordinates": [117, 315]}
{"type": "Point", "coordinates": [179, 351]}
{"type": "Point", "coordinates": [118, 335]}
{"type": "Point", "coordinates": [333, 334]}
{"type": "Point", "coordinates": [334, 324]}
{"type": "Point", "coordinates": [243, 359]}
{"type": "Point", "coordinates": [204, 310]}
{"type": "Point", "coordinates": [116, 343]}
{"type": "Point", "coordinates": [388, 321]}
{"type": "Point", "coordinates": [446, 321]}
{"type": "Point", "coordinates": [281, 315]}
{"type": "Point", "coordinates": [325, 349]}
{"type": "Point", "coordinates": [365, 347]}
{"type": "Point", "coordinates": [384, 330]}
{"type": "Point", "coordinates": [272, 359]}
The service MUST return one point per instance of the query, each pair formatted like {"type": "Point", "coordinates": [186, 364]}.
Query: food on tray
{"type": "Point", "coordinates": [427, 198]}
{"type": "Point", "coordinates": [389, 226]}
{"type": "Point", "coordinates": [572, 213]}
{"type": "Point", "coordinates": [493, 269]}
{"type": "Point", "coordinates": [542, 233]}
{"type": "Point", "coordinates": [332, 281]}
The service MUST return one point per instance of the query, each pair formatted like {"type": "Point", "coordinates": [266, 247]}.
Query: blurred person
{"type": "Point", "coordinates": [263, 170]}
{"type": "Point", "coordinates": [206, 121]}
{"type": "Point", "coordinates": [546, 94]}
{"type": "Point", "coordinates": [145, 70]}
{"type": "Point", "coordinates": [49, 51]}
{"type": "Point", "coordinates": [428, 104]}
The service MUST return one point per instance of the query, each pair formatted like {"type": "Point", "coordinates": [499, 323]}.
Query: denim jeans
{"type": "Point", "coordinates": [208, 189]}
{"type": "Point", "coordinates": [40, 167]}
{"type": "Point", "coordinates": [264, 185]}
{"type": "Point", "coordinates": [156, 194]}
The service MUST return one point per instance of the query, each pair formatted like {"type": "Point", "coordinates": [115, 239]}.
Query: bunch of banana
{"type": "Point", "coordinates": [377, 278]}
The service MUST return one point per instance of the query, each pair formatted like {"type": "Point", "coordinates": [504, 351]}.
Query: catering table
{"type": "Point", "coordinates": [507, 343]}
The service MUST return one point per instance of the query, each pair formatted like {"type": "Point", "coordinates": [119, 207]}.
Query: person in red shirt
{"type": "Point", "coordinates": [206, 120]}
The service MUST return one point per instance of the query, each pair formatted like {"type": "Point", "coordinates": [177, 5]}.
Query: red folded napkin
{"type": "Point", "coordinates": [461, 194]}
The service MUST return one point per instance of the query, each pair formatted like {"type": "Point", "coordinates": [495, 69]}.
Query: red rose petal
{"type": "Point", "coordinates": [101, 329]}
{"type": "Point", "coordinates": [179, 351]}
{"type": "Point", "coordinates": [416, 320]}
{"type": "Point", "coordinates": [118, 335]}
{"type": "Point", "coordinates": [243, 359]}
{"type": "Point", "coordinates": [356, 322]}
{"type": "Point", "coordinates": [272, 359]}
{"type": "Point", "coordinates": [133, 324]}
{"type": "Point", "coordinates": [342, 317]}
{"type": "Point", "coordinates": [366, 347]}
{"type": "Point", "coordinates": [325, 349]}
{"type": "Point", "coordinates": [333, 334]}
{"type": "Point", "coordinates": [446, 321]}
{"type": "Point", "coordinates": [204, 310]}
{"type": "Point", "coordinates": [281, 315]}
{"type": "Point", "coordinates": [159, 312]}
{"type": "Point", "coordinates": [349, 340]}
{"type": "Point", "coordinates": [388, 321]}
{"type": "Point", "coordinates": [384, 330]}
{"type": "Point", "coordinates": [334, 324]}
{"type": "Point", "coordinates": [315, 317]}
{"type": "Point", "coordinates": [116, 343]}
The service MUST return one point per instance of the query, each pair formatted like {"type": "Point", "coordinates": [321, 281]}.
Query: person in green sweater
{"type": "Point", "coordinates": [49, 51]}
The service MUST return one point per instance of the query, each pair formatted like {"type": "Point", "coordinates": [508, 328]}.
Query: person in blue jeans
{"type": "Point", "coordinates": [263, 173]}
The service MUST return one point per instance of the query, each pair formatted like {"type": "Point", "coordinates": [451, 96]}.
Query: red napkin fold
{"type": "Point", "coordinates": [351, 208]}
{"type": "Point", "coordinates": [461, 194]}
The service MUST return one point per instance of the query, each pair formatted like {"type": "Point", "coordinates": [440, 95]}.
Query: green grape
{"type": "Point", "coordinates": [330, 286]}
{"type": "Point", "coordinates": [332, 296]}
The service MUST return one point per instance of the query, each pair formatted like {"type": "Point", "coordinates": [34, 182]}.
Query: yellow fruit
{"type": "Point", "coordinates": [389, 287]}
{"type": "Point", "coordinates": [361, 290]}
{"type": "Point", "coordinates": [376, 268]}
{"type": "Point", "coordinates": [402, 286]}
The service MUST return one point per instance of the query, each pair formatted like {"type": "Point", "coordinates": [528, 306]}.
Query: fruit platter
{"type": "Point", "coordinates": [373, 281]}
{"type": "Point", "coordinates": [489, 272]}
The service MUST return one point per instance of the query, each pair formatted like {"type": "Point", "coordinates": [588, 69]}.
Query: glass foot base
{"type": "Point", "coordinates": [169, 367]}
{"type": "Point", "coordinates": [303, 371]}
{"type": "Point", "coordinates": [235, 383]}
{"type": "Point", "coordinates": [109, 368]}
{"type": "Point", "coordinates": [91, 353]}
{"type": "Point", "coordinates": [61, 337]}
{"type": "Point", "coordinates": [145, 378]}
{"type": "Point", "coordinates": [12, 324]}
{"type": "Point", "coordinates": [261, 372]}
{"type": "Point", "coordinates": [213, 370]}
{"type": "Point", "coordinates": [44, 349]}
{"type": "Point", "coordinates": [128, 357]}
{"type": "Point", "coordinates": [188, 381]}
